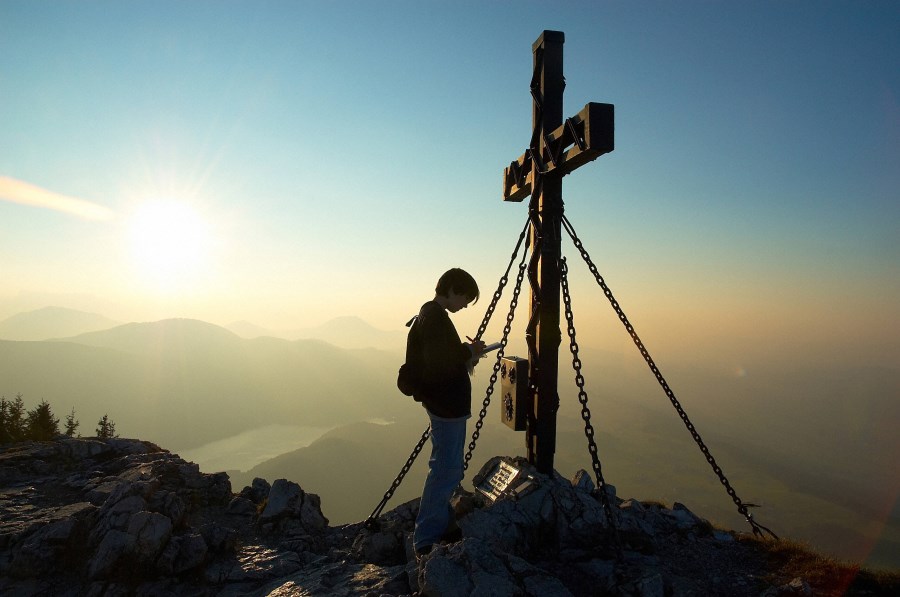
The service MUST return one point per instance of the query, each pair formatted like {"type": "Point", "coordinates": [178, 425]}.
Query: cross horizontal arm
{"type": "Point", "coordinates": [579, 140]}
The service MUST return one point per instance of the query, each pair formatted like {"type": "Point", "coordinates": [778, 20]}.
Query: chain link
{"type": "Point", "coordinates": [513, 303]}
{"type": "Point", "coordinates": [371, 522]}
{"type": "Point", "coordinates": [742, 508]}
{"type": "Point", "coordinates": [582, 394]}
{"type": "Point", "coordinates": [503, 281]}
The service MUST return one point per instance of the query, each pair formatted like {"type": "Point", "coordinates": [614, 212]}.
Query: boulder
{"type": "Point", "coordinates": [151, 531]}
{"type": "Point", "coordinates": [183, 553]}
{"type": "Point", "coordinates": [288, 506]}
{"type": "Point", "coordinates": [114, 547]}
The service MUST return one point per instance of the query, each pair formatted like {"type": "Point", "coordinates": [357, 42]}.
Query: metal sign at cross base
{"type": "Point", "coordinates": [557, 148]}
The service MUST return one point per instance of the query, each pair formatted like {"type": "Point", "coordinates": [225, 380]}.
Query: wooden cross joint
{"type": "Point", "coordinates": [579, 140]}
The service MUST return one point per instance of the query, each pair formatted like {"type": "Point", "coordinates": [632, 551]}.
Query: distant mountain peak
{"type": "Point", "coordinates": [147, 336]}
{"type": "Point", "coordinates": [350, 331]}
{"type": "Point", "coordinates": [52, 322]}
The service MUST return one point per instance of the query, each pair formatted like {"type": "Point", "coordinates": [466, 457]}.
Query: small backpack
{"type": "Point", "coordinates": [409, 378]}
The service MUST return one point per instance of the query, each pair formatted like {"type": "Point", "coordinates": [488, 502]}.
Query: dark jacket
{"type": "Point", "coordinates": [446, 390]}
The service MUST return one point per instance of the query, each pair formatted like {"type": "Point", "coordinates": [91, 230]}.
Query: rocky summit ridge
{"type": "Point", "coordinates": [116, 517]}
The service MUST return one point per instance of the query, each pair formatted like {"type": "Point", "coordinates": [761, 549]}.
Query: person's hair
{"type": "Point", "coordinates": [460, 282]}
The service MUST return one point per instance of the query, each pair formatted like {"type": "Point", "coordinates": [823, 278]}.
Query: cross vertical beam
{"type": "Point", "coordinates": [546, 208]}
{"type": "Point", "coordinates": [556, 149]}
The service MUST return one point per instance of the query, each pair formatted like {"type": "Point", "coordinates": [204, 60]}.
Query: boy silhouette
{"type": "Point", "coordinates": [446, 394]}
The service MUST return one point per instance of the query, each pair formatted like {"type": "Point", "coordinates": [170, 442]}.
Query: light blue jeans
{"type": "Point", "coordinates": [445, 473]}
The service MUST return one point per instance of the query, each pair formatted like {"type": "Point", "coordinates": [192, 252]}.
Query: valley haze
{"type": "Point", "coordinates": [298, 409]}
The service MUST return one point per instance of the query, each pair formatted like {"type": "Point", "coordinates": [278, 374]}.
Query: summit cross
{"type": "Point", "coordinates": [557, 148]}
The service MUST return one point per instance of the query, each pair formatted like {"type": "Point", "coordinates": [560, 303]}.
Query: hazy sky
{"type": "Point", "coordinates": [289, 162]}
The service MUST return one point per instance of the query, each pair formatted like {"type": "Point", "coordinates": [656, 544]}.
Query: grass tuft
{"type": "Point", "coordinates": [827, 576]}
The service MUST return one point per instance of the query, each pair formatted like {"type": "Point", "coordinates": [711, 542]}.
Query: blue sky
{"type": "Point", "coordinates": [340, 155]}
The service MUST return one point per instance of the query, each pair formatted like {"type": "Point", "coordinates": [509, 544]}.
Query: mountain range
{"type": "Point", "coordinates": [186, 383]}
{"type": "Point", "coordinates": [813, 446]}
{"type": "Point", "coordinates": [344, 332]}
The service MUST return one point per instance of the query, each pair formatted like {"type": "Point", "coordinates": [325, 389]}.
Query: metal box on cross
{"type": "Point", "coordinates": [514, 392]}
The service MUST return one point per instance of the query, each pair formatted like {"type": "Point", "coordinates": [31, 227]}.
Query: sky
{"type": "Point", "coordinates": [285, 163]}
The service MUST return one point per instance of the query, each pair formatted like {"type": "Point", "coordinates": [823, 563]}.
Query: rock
{"type": "Point", "coordinates": [257, 491]}
{"type": "Point", "coordinates": [113, 548]}
{"type": "Point", "coordinates": [257, 562]}
{"type": "Point", "coordinates": [218, 537]}
{"type": "Point", "coordinates": [61, 531]}
{"type": "Point", "coordinates": [380, 547]}
{"type": "Point", "coordinates": [582, 480]}
{"type": "Point", "coordinates": [551, 515]}
{"type": "Point", "coordinates": [151, 531]}
{"type": "Point", "coordinates": [40, 553]}
{"type": "Point", "coordinates": [311, 516]}
{"type": "Point", "coordinates": [240, 506]}
{"type": "Point", "coordinates": [288, 501]}
{"type": "Point", "coordinates": [169, 504]}
{"type": "Point", "coordinates": [464, 503]}
{"type": "Point", "coordinates": [183, 553]}
{"type": "Point", "coordinates": [282, 500]}
{"type": "Point", "coordinates": [85, 448]}
{"type": "Point", "coordinates": [473, 567]}
{"type": "Point", "coordinates": [796, 586]}
{"type": "Point", "coordinates": [390, 542]}
{"type": "Point", "coordinates": [648, 584]}
{"type": "Point", "coordinates": [723, 536]}
{"type": "Point", "coordinates": [115, 515]}
{"type": "Point", "coordinates": [98, 494]}
{"type": "Point", "coordinates": [684, 518]}
{"type": "Point", "coordinates": [123, 517]}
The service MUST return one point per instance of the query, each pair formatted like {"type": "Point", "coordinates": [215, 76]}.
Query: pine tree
{"type": "Point", "coordinates": [41, 425]}
{"type": "Point", "coordinates": [71, 423]}
{"type": "Point", "coordinates": [106, 428]}
{"type": "Point", "coordinates": [12, 420]}
{"type": "Point", "coordinates": [4, 415]}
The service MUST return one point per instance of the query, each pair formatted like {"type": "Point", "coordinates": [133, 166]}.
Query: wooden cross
{"type": "Point", "coordinates": [556, 149]}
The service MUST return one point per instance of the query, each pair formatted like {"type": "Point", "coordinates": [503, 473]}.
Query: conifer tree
{"type": "Point", "coordinates": [106, 428]}
{"type": "Point", "coordinates": [41, 424]}
{"type": "Point", "coordinates": [4, 409]}
{"type": "Point", "coordinates": [71, 423]}
{"type": "Point", "coordinates": [12, 420]}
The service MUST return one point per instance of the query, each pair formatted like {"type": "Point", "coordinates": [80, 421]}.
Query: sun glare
{"type": "Point", "coordinates": [170, 244]}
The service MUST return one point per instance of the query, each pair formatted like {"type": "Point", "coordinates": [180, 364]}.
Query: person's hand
{"type": "Point", "coordinates": [477, 347]}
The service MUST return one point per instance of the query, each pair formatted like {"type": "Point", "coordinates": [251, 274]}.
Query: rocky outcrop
{"type": "Point", "coordinates": [549, 536]}
{"type": "Point", "coordinates": [125, 517]}
{"type": "Point", "coordinates": [110, 517]}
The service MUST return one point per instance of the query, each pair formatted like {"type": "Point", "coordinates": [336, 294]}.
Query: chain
{"type": "Point", "coordinates": [513, 303]}
{"type": "Point", "coordinates": [742, 508]}
{"type": "Point", "coordinates": [582, 394]}
{"type": "Point", "coordinates": [503, 281]}
{"type": "Point", "coordinates": [371, 522]}
{"type": "Point", "coordinates": [537, 226]}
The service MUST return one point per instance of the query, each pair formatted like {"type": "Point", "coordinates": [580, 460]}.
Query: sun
{"type": "Point", "coordinates": [170, 243]}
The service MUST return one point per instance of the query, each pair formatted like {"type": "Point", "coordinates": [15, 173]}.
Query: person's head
{"type": "Point", "coordinates": [458, 287]}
